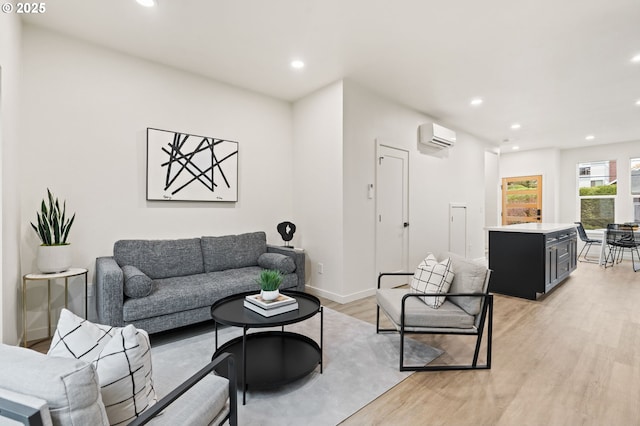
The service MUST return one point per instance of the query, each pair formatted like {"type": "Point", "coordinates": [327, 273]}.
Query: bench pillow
{"type": "Point", "coordinates": [121, 357]}
{"type": "Point", "coordinates": [277, 261]}
{"type": "Point", "coordinates": [136, 283]}
{"type": "Point", "coordinates": [432, 277]}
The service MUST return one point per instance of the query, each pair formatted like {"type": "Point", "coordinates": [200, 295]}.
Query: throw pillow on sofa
{"type": "Point", "coordinates": [432, 277]}
{"type": "Point", "coordinates": [136, 283]}
{"type": "Point", "coordinates": [280, 262]}
{"type": "Point", "coordinates": [121, 357]}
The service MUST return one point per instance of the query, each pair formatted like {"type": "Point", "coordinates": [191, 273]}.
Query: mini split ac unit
{"type": "Point", "coordinates": [436, 136]}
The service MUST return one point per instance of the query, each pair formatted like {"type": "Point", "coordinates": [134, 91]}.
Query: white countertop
{"type": "Point", "coordinates": [541, 228]}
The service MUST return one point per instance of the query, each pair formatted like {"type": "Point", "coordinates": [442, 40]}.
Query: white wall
{"type": "Point", "coordinates": [492, 193]}
{"type": "Point", "coordinates": [456, 175]}
{"type": "Point", "coordinates": [317, 187]}
{"type": "Point", "coordinates": [86, 110]}
{"type": "Point", "coordinates": [545, 162]}
{"type": "Point", "coordinates": [568, 182]}
{"type": "Point", "coordinates": [10, 36]}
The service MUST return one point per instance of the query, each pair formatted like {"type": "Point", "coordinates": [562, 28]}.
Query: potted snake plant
{"type": "Point", "coordinates": [53, 226]}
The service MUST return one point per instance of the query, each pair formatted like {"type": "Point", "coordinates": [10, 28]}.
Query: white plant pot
{"type": "Point", "coordinates": [269, 295]}
{"type": "Point", "coordinates": [54, 258]}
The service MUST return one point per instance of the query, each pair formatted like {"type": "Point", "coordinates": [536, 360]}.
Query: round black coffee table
{"type": "Point", "coordinates": [268, 358]}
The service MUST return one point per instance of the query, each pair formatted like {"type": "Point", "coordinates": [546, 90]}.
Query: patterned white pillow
{"type": "Point", "coordinates": [124, 371]}
{"type": "Point", "coordinates": [78, 338]}
{"type": "Point", "coordinates": [121, 357]}
{"type": "Point", "coordinates": [432, 277]}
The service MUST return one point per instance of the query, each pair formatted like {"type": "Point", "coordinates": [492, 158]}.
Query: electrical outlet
{"type": "Point", "coordinates": [320, 268]}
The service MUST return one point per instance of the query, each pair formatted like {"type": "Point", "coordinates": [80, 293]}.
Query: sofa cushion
{"type": "Point", "coordinates": [136, 282]}
{"type": "Point", "coordinates": [179, 294]}
{"type": "Point", "coordinates": [161, 258]}
{"type": "Point", "coordinates": [418, 315]}
{"type": "Point", "coordinates": [233, 251]}
{"type": "Point", "coordinates": [121, 357]}
{"type": "Point", "coordinates": [69, 386]}
{"type": "Point", "coordinates": [432, 277]}
{"type": "Point", "coordinates": [280, 262]}
{"type": "Point", "coordinates": [469, 278]}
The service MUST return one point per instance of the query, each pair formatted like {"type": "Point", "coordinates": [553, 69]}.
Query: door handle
{"type": "Point", "coordinates": [406, 224]}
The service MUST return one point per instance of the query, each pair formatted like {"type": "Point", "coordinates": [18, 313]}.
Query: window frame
{"type": "Point", "coordinates": [588, 165]}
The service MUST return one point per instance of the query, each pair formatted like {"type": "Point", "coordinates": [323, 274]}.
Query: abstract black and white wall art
{"type": "Point", "coordinates": [184, 167]}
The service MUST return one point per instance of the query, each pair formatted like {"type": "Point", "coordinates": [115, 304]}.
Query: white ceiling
{"type": "Point", "coordinates": [561, 68]}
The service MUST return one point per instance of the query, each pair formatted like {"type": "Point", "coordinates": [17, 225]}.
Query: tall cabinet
{"type": "Point", "coordinates": [530, 259]}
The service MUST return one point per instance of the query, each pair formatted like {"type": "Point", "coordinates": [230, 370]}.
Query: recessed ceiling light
{"type": "Point", "coordinates": [590, 137]}
{"type": "Point", "coordinates": [297, 64]}
{"type": "Point", "coordinates": [636, 59]}
{"type": "Point", "coordinates": [638, 102]}
{"type": "Point", "coordinates": [515, 126]}
{"type": "Point", "coordinates": [476, 101]}
{"type": "Point", "coordinates": [147, 3]}
{"type": "Point", "coordinates": [515, 148]}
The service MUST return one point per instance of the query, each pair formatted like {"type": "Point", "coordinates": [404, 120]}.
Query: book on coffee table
{"type": "Point", "coordinates": [271, 311]}
{"type": "Point", "coordinates": [282, 300]}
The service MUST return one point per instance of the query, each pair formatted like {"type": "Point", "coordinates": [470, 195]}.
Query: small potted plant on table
{"type": "Point", "coordinates": [269, 281]}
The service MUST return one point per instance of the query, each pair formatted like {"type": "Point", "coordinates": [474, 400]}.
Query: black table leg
{"type": "Point", "coordinates": [244, 365]}
{"type": "Point", "coordinates": [321, 336]}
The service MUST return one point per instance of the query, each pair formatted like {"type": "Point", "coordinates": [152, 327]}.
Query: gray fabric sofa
{"type": "Point", "coordinates": [158, 285]}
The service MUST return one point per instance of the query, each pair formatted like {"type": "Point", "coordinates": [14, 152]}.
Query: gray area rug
{"type": "Point", "coordinates": [359, 366]}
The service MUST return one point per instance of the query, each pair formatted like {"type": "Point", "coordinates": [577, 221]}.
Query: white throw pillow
{"type": "Point", "coordinates": [121, 357]}
{"type": "Point", "coordinates": [124, 371]}
{"type": "Point", "coordinates": [78, 338]}
{"type": "Point", "coordinates": [432, 277]}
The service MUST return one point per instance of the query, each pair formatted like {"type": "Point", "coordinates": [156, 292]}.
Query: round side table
{"type": "Point", "coordinates": [72, 272]}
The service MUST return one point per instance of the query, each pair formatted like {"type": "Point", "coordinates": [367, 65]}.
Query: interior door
{"type": "Point", "coordinates": [392, 208]}
{"type": "Point", "coordinates": [458, 229]}
{"type": "Point", "coordinates": [521, 199]}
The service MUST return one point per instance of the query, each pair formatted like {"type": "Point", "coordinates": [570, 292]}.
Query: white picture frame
{"type": "Point", "coordinates": [186, 167]}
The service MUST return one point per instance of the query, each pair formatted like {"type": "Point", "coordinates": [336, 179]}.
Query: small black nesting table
{"type": "Point", "coordinates": [268, 358]}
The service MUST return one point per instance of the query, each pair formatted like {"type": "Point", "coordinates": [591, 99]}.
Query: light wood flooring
{"type": "Point", "coordinates": [571, 358]}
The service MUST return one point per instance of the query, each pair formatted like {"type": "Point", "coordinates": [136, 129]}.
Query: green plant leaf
{"type": "Point", "coordinates": [65, 235]}
{"type": "Point", "coordinates": [269, 279]}
{"type": "Point", "coordinates": [56, 229]}
{"type": "Point", "coordinates": [53, 226]}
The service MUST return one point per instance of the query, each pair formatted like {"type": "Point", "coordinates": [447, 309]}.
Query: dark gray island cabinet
{"type": "Point", "coordinates": [529, 259]}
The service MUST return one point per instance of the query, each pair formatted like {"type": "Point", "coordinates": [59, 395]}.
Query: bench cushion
{"type": "Point", "coordinates": [469, 277]}
{"type": "Point", "coordinates": [69, 386]}
{"type": "Point", "coordinates": [417, 314]}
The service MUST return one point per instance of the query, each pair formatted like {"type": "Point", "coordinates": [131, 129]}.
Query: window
{"type": "Point", "coordinates": [635, 176]}
{"type": "Point", "coordinates": [634, 168]}
{"type": "Point", "coordinates": [585, 171]}
{"type": "Point", "coordinates": [597, 186]}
